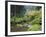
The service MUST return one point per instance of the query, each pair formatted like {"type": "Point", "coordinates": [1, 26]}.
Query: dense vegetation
{"type": "Point", "coordinates": [28, 21]}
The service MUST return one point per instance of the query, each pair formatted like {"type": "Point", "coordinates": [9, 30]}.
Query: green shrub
{"type": "Point", "coordinates": [34, 27]}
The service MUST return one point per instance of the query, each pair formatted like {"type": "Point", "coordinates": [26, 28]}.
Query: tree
{"type": "Point", "coordinates": [38, 7]}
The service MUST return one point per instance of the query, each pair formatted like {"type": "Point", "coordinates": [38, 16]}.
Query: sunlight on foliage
{"type": "Point", "coordinates": [31, 21]}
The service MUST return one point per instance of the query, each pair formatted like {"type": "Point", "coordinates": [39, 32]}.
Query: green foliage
{"type": "Point", "coordinates": [34, 19]}
{"type": "Point", "coordinates": [35, 27]}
